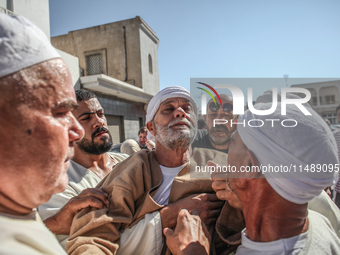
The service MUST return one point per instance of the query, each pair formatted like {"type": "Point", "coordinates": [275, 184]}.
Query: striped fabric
{"type": "Point", "coordinates": [337, 139]}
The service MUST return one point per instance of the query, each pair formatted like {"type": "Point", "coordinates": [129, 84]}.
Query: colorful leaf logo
{"type": "Point", "coordinates": [207, 91]}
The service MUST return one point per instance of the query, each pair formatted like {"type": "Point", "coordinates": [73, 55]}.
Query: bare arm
{"type": "Point", "coordinates": [208, 207]}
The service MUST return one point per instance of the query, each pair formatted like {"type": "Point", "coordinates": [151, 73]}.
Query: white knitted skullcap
{"type": "Point", "coordinates": [300, 149]}
{"type": "Point", "coordinates": [22, 45]}
{"type": "Point", "coordinates": [164, 94]}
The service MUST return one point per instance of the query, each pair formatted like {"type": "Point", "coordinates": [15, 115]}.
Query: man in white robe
{"type": "Point", "coordinates": [37, 132]}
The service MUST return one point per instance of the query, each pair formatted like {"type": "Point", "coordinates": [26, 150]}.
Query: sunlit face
{"type": "Point", "coordinates": [37, 132]}
{"type": "Point", "coordinates": [175, 123]}
{"type": "Point", "coordinates": [97, 139]}
{"type": "Point", "coordinates": [220, 134]}
{"type": "Point", "coordinates": [142, 138]}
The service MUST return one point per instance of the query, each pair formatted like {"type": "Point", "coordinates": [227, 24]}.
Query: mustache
{"type": "Point", "coordinates": [220, 128]}
{"type": "Point", "coordinates": [175, 121]}
{"type": "Point", "coordinates": [98, 130]}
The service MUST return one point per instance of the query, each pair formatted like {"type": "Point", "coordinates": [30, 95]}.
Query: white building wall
{"type": "Point", "coordinates": [323, 89]}
{"type": "Point", "coordinates": [131, 128]}
{"type": "Point", "coordinates": [3, 3]}
{"type": "Point", "coordinates": [73, 64]}
{"type": "Point", "coordinates": [148, 45]}
{"type": "Point", "coordinates": [37, 11]}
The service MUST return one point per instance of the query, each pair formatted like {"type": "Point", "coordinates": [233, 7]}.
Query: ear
{"type": "Point", "coordinates": [150, 126]}
{"type": "Point", "coordinates": [205, 118]}
{"type": "Point", "coordinates": [253, 161]}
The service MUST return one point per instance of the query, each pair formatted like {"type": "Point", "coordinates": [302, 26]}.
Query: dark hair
{"type": "Point", "coordinates": [83, 94]}
{"type": "Point", "coordinates": [142, 130]}
{"type": "Point", "coordinates": [338, 108]}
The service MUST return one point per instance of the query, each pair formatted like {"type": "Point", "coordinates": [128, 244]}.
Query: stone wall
{"type": "Point", "coordinates": [120, 42]}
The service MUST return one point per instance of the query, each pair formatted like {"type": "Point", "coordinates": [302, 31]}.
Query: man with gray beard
{"type": "Point", "coordinates": [155, 183]}
{"type": "Point", "coordinates": [172, 139]}
{"type": "Point", "coordinates": [217, 137]}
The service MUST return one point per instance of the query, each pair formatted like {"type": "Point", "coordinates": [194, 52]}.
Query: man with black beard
{"type": "Point", "coordinates": [90, 164]}
{"type": "Point", "coordinates": [218, 137]}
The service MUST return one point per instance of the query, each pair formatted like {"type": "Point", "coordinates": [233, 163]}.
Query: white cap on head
{"type": "Point", "coordinates": [310, 142]}
{"type": "Point", "coordinates": [22, 45]}
{"type": "Point", "coordinates": [164, 94]}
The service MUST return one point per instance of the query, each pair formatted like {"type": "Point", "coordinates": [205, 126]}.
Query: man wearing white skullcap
{"type": "Point", "coordinates": [148, 182]}
{"type": "Point", "coordinates": [274, 199]}
{"type": "Point", "coordinates": [37, 132]}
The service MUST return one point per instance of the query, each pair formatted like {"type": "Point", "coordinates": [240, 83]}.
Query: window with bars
{"type": "Point", "coordinates": [94, 64]}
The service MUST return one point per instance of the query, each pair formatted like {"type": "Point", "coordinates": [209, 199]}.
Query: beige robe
{"type": "Point", "coordinates": [27, 235]}
{"type": "Point", "coordinates": [79, 178]}
{"type": "Point", "coordinates": [130, 188]}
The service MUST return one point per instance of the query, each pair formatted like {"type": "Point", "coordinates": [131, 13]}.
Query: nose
{"type": "Point", "coordinates": [76, 131]}
{"type": "Point", "coordinates": [179, 113]}
{"type": "Point", "coordinates": [223, 115]}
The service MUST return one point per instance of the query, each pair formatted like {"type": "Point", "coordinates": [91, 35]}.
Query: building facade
{"type": "Point", "coordinates": [37, 11]}
{"type": "Point", "coordinates": [324, 98]}
{"type": "Point", "coordinates": [119, 63]}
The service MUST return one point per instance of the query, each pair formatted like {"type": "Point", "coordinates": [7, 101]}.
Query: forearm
{"type": "Point", "coordinates": [52, 225]}
{"type": "Point", "coordinates": [168, 215]}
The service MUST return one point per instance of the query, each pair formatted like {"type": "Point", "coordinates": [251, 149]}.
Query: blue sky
{"type": "Point", "coordinates": [223, 38]}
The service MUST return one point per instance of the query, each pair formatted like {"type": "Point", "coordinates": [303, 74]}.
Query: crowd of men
{"type": "Point", "coordinates": [55, 162]}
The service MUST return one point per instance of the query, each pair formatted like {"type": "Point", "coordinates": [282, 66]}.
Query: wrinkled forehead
{"type": "Point", "coordinates": [174, 100]}
{"type": "Point", "coordinates": [182, 101]}
{"type": "Point", "coordinates": [43, 85]}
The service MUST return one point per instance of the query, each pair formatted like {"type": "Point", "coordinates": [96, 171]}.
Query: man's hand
{"type": "Point", "coordinates": [60, 223]}
{"type": "Point", "coordinates": [220, 186]}
{"type": "Point", "coordinates": [208, 207]}
{"type": "Point", "coordinates": [150, 144]}
{"type": "Point", "coordinates": [189, 237]}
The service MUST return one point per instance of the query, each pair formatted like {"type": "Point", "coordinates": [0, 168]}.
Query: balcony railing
{"type": "Point", "coordinates": [6, 11]}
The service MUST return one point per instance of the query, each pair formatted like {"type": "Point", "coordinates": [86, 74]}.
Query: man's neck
{"type": "Point", "coordinates": [171, 158]}
{"type": "Point", "coordinates": [9, 206]}
{"type": "Point", "coordinates": [101, 164]}
{"type": "Point", "coordinates": [269, 217]}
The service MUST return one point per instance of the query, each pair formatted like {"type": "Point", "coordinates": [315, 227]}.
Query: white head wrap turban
{"type": "Point", "coordinates": [309, 142]}
{"type": "Point", "coordinates": [22, 45]}
{"type": "Point", "coordinates": [164, 94]}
